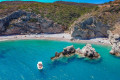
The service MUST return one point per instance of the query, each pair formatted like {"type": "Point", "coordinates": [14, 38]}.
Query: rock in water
{"type": "Point", "coordinates": [115, 42]}
{"type": "Point", "coordinates": [87, 51]}
{"type": "Point", "coordinates": [68, 51]}
{"type": "Point", "coordinates": [79, 52]}
{"type": "Point", "coordinates": [57, 55]}
{"type": "Point", "coordinates": [90, 52]}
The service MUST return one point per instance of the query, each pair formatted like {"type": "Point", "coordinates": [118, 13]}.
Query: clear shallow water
{"type": "Point", "coordinates": [18, 61]}
{"type": "Point", "coordinates": [78, 1]}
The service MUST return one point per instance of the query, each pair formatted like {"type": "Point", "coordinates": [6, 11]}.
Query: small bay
{"type": "Point", "coordinates": [18, 61]}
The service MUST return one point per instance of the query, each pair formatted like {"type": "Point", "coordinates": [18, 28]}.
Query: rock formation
{"type": "Point", "coordinates": [22, 22]}
{"type": "Point", "coordinates": [89, 28]}
{"type": "Point", "coordinates": [68, 51]}
{"type": "Point", "coordinates": [115, 42]}
{"type": "Point", "coordinates": [90, 52]}
{"type": "Point", "coordinates": [4, 22]}
{"type": "Point", "coordinates": [87, 52]}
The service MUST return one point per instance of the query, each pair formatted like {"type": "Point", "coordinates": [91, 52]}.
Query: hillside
{"type": "Point", "coordinates": [59, 13]}
{"type": "Point", "coordinates": [77, 4]}
{"type": "Point", "coordinates": [110, 15]}
{"type": "Point", "coordinates": [82, 19]}
{"type": "Point", "coordinates": [105, 17]}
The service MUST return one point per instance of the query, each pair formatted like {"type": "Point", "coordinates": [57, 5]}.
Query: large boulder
{"type": "Point", "coordinates": [79, 53]}
{"type": "Point", "coordinates": [115, 42]}
{"type": "Point", "coordinates": [68, 51]}
{"type": "Point", "coordinates": [90, 52]}
{"type": "Point", "coordinates": [89, 28]}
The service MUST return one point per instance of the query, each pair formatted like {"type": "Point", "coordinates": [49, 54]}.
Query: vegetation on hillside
{"type": "Point", "coordinates": [60, 13]}
{"type": "Point", "coordinates": [109, 13]}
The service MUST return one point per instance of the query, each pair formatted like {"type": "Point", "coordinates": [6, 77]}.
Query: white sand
{"type": "Point", "coordinates": [60, 37]}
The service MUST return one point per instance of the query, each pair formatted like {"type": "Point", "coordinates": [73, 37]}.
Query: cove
{"type": "Point", "coordinates": [18, 61]}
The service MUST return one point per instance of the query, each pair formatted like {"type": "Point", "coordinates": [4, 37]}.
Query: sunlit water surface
{"type": "Point", "coordinates": [18, 61]}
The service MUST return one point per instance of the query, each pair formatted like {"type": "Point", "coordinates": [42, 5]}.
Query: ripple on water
{"type": "Point", "coordinates": [18, 61]}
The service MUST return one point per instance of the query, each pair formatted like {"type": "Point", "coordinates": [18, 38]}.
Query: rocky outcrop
{"type": "Point", "coordinates": [22, 22]}
{"type": "Point", "coordinates": [90, 52]}
{"type": "Point", "coordinates": [115, 42]}
{"type": "Point", "coordinates": [4, 22]}
{"type": "Point", "coordinates": [85, 52]}
{"type": "Point", "coordinates": [90, 28]}
{"type": "Point", "coordinates": [68, 51]}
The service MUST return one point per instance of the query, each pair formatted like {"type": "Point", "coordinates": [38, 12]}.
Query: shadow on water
{"type": "Point", "coordinates": [2, 56]}
{"type": "Point", "coordinates": [61, 61]}
{"type": "Point", "coordinates": [117, 57]}
{"type": "Point", "coordinates": [65, 61]}
{"type": "Point", "coordinates": [93, 61]}
{"type": "Point", "coordinates": [42, 74]}
{"type": "Point", "coordinates": [2, 53]}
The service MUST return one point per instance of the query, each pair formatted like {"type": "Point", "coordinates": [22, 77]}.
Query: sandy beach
{"type": "Point", "coordinates": [59, 37]}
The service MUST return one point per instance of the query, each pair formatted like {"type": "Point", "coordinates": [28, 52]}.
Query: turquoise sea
{"type": "Point", "coordinates": [78, 1]}
{"type": "Point", "coordinates": [18, 61]}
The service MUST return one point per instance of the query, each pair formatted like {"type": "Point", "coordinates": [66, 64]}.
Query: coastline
{"type": "Point", "coordinates": [59, 37]}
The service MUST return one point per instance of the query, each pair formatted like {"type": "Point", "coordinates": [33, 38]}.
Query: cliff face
{"type": "Point", "coordinates": [95, 24]}
{"type": "Point", "coordinates": [4, 22]}
{"type": "Point", "coordinates": [34, 17]}
{"type": "Point", "coordinates": [90, 28]}
{"type": "Point", "coordinates": [115, 42]}
{"type": "Point", "coordinates": [21, 22]}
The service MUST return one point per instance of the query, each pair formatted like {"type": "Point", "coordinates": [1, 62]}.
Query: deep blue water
{"type": "Point", "coordinates": [78, 1]}
{"type": "Point", "coordinates": [18, 61]}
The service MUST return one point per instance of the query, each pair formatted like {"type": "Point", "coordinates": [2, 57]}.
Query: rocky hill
{"type": "Point", "coordinates": [81, 19]}
{"type": "Point", "coordinates": [77, 4]}
{"type": "Point", "coordinates": [22, 22]}
{"type": "Point", "coordinates": [105, 17]}
{"type": "Point", "coordinates": [20, 17]}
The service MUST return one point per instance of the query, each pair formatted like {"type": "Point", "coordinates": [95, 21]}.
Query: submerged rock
{"type": "Point", "coordinates": [115, 42]}
{"type": "Point", "coordinates": [86, 51]}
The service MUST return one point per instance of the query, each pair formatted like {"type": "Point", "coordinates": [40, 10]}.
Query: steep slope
{"type": "Point", "coordinates": [38, 17]}
{"type": "Point", "coordinates": [105, 17]}
{"type": "Point", "coordinates": [22, 22]}
{"type": "Point", "coordinates": [60, 13]}
{"type": "Point", "coordinates": [77, 4]}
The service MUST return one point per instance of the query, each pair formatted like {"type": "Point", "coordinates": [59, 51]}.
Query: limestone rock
{"type": "Point", "coordinates": [68, 51]}
{"type": "Point", "coordinates": [86, 51]}
{"type": "Point", "coordinates": [79, 52]}
{"type": "Point", "coordinates": [22, 22]}
{"type": "Point", "coordinates": [90, 52]}
{"type": "Point", "coordinates": [57, 55]}
{"type": "Point", "coordinates": [4, 22]}
{"type": "Point", "coordinates": [90, 28]}
{"type": "Point", "coordinates": [115, 42]}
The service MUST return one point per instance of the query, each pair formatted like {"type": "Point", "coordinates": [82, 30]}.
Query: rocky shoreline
{"type": "Point", "coordinates": [115, 42]}
{"type": "Point", "coordinates": [86, 52]}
